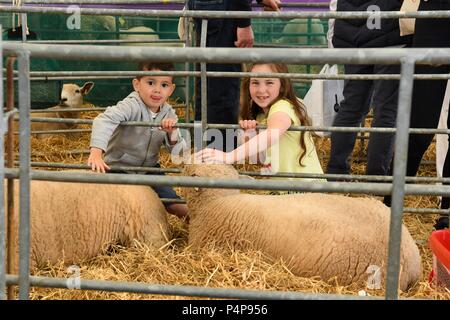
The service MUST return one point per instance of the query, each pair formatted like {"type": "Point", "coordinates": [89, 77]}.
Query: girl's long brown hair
{"type": "Point", "coordinates": [249, 109]}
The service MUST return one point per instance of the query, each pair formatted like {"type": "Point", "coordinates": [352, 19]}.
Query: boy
{"type": "Point", "coordinates": [138, 145]}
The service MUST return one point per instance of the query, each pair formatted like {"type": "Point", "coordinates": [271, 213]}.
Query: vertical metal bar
{"type": "Point", "coordinates": [204, 92]}
{"type": "Point", "coordinates": [187, 24]}
{"type": "Point", "coordinates": [24, 19]}
{"type": "Point", "coordinates": [398, 185]}
{"type": "Point", "coordinates": [24, 173]}
{"type": "Point", "coordinates": [2, 187]}
{"type": "Point", "coordinates": [11, 231]}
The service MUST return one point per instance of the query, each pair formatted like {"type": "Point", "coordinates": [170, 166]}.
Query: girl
{"type": "Point", "coordinates": [272, 101]}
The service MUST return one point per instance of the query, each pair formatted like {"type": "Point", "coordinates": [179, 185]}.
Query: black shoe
{"type": "Point", "coordinates": [441, 223]}
{"type": "Point", "coordinates": [387, 200]}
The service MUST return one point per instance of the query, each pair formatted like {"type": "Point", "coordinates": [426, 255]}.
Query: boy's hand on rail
{"type": "Point", "coordinates": [167, 125]}
{"type": "Point", "coordinates": [96, 162]}
{"type": "Point", "coordinates": [245, 37]}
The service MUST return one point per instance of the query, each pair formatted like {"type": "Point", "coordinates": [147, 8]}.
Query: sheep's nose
{"type": "Point", "coordinates": [63, 99]}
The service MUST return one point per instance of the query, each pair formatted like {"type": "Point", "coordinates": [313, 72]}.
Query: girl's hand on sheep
{"type": "Point", "coordinates": [213, 156]}
{"type": "Point", "coordinates": [96, 162]}
{"type": "Point", "coordinates": [167, 125]}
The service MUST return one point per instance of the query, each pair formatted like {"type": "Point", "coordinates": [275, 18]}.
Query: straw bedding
{"type": "Point", "coordinates": [174, 264]}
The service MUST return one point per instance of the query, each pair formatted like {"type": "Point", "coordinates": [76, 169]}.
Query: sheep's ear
{"type": "Point", "coordinates": [87, 87]}
{"type": "Point", "coordinates": [245, 177]}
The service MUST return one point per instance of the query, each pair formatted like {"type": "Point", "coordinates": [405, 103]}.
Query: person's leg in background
{"type": "Point", "coordinates": [352, 111]}
{"type": "Point", "coordinates": [178, 209]}
{"type": "Point", "coordinates": [222, 93]}
{"type": "Point", "coordinates": [428, 95]}
{"type": "Point", "coordinates": [385, 100]}
{"type": "Point", "coordinates": [442, 221]}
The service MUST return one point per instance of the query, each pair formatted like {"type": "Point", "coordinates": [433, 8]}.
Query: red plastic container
{"type": "Point", "coordinates": [439, 243]}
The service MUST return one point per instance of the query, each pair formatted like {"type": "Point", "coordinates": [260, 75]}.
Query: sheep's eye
{"type": "Point", "coordinates": [77, 91]}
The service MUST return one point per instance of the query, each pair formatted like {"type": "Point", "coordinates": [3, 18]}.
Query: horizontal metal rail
{"type": "Point", "coordinates": [113, 167]}
{"type": "Point", "coordinates": [180, 181]}
{"type": "Point", "coordinates": [235, 14]}
{"type": "Point", "coordinates": [172, 170]}
{"type": "Point", "coordinates": [190, 291]}
{"type": "Point", "coordinates": [232, 55]}
{"type": "Point", "coordinates": [62, 131]}
{"type": "Point", "coordinates": [425, 211]}
{"type": "Point", "coordinates": [341, 177]}
{"type": "Point", "coordinates": [67, 110]}
{"type": "Point", "coordinates": [47, 75]}
{"type": "Point", "coordinates": [153, 2]}
{"type": "Point", "coordinates": [235, 126]}
{"type": "Point", "coordinates": [99, 42]}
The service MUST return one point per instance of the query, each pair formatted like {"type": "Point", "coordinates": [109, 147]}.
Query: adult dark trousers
{"type": "Point", "coordinates": [222, 93]}
{"type": "Point", "coordinates": [353, 110]}
{"type": "Point", "coordinates": [428, 95]}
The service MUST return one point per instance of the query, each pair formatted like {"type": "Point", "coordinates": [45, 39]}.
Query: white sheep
{"type": "Point", "coordinates": [74, 221]}
{"type": "Point", "coordinates": [145, 34]}
{"type": "Point", "coordinates": [303, 32]}
{"type": "Point", "coordinates": [71, 98]}
{"type": "Point", "coordinates": [316, 234]}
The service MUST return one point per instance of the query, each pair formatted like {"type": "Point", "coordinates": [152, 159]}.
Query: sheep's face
{"type": "Point", "coordinates": [208, 171]}
{"type": "Point", "coordinates": [72, 94]}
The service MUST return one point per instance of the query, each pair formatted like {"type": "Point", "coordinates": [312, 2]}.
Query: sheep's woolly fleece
{"type": "Point", "coordinates": [316, 234]}
{"type": "Point", "coordinates": [73, 222]}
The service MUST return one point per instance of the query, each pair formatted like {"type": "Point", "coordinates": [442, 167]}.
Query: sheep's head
{"type": "Point", "coordinates": [72, 94]}
{"type": "Point", "coordinates": [193, 194]}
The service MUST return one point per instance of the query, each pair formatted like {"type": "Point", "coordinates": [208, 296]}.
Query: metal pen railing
{"type": "Point", "coordinates": [398, 188]}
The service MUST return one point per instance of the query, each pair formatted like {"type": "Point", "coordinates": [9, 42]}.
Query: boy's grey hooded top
{"type": "Point", "coordinates": [132, 145]}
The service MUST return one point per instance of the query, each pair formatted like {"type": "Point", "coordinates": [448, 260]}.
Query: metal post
{"type": "Point", "coordinates": [2, 187]}
{"type": "Point", "coordinates": [204, 91]}
{"type": "Point", "coordinates": [398, 185]}
{"type": "Point", "coordinates": [11, 231]}
{"type": "Point", "coordinates": [187, 43]}
{"type": "Point", "coordinates": [24, 170]}
{"type": "Point", "coordinates": [24, 19]}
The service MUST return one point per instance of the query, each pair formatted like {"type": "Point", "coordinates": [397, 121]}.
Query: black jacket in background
{"type": "Point", "coordinates": [224, 5]}
{"type": "Point", "coordinates": [354, 33]}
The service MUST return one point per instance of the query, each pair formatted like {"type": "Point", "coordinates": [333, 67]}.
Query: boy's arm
{"type": "Point", "coordinates": [103, 127]}
{"type": "Point", "coordinates": [105, 123]}
{"type": "Point", "coordinates": [96, 162]}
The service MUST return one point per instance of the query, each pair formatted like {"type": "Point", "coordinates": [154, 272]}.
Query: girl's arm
{"type": "Point", "coordinates": [277, 125]}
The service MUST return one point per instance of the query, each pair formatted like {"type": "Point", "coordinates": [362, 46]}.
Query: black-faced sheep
{"type": "Point", "coordinates": [316, 234]}
{"type": "Point", "coordinates": [74, 221]}
{"type": "Point", "coordinates": [71, 98]}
